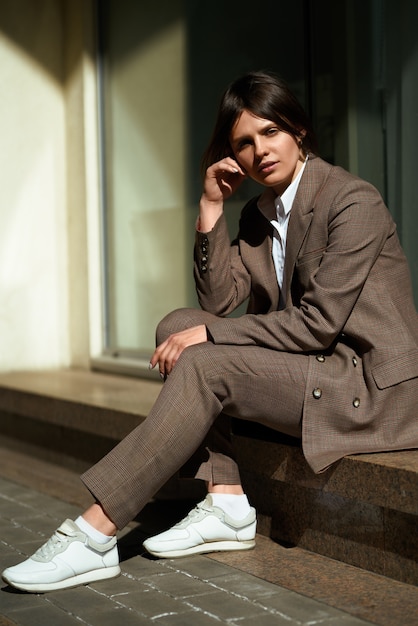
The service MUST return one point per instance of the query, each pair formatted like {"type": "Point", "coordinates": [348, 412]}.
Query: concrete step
{"type": "Point", "coordinates": [362, 512]}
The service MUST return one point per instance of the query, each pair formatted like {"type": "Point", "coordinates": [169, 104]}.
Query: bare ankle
{"type": "Point", "coordinates": [96, 516]}
{"type": "Point", "coordinates": [235, 490]}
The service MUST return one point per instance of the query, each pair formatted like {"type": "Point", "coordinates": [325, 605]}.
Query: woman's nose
{"type": "Point", "coordinates": [260, 148]}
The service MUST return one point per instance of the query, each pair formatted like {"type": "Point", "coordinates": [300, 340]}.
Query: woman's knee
{"type": "Point", "coordinates": [179, 320]}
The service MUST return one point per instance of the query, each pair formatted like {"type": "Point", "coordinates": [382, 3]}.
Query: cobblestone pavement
{"type": "Point", "coordinates": [194, 591]}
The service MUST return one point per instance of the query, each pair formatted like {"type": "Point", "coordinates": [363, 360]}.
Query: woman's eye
{"type": "Point", "coordinates": [272, 131]}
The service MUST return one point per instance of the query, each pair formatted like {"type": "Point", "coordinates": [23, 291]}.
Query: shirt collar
{"type": "Point", "coordinates": [269, 204]}
{"type": "Point", "coordinates": [288, 196]}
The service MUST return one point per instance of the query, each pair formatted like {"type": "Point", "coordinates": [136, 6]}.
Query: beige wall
{"type": "Point", "coordinates": [47, 126]}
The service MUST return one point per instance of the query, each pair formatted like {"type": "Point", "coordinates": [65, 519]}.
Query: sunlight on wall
{"type": "Point", "coordinates": [33, 283]}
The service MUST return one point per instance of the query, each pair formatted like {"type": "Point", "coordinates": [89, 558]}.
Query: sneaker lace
{"type": "Point", "coordinates": [57, 540]}
{"type": "Point", "coordinates": [196, 512]}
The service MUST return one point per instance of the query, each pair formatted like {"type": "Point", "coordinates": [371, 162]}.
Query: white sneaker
{"type": "Point", "coordinates": [69, 558]}
{"type": "Point", "coordinates": [207, 528]}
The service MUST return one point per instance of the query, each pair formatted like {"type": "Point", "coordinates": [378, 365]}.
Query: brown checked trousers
{"type": "Point", "coordinates": [208, 384]}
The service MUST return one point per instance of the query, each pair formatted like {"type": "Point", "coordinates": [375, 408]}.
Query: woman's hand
{"type": "Point", "coordinates": [168, 352]}
{"type": "Point", "coordinates": [221, 181]}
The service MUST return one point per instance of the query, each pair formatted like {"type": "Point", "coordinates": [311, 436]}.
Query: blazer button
{"type": "Point", "coordinates": [317, 393]}
{"type": "Point", "coordinates": [355, 361]}
{"type": "Point", "coordinates": [320, 358]}
{"type": "Point", "coordinates": [356, 403]}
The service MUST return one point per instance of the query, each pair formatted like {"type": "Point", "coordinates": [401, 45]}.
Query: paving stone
{"type": "Point", "coordinates": [45, 615]}
{"type": "Point", "coordinates": [140, 568]}
{"type": "Point", "coordinates": [18, 536]}
{"type": "Point", "coordinates": [152, 603]}
{"type": "Point", "coordinates": [297, 607]}
{"type": "Point", "coordinates": [266, 619]}
{"type": "Point", "coordinates": [13, 600]}
{"type": "Point", "coordinates": [119, 617]}
{"type": "Point", "coordinates": [119, 587]}
{"type": "Point", "coordinates": [198, 566]}
{"type": "Point", "coordinates": [225, 606]}
{"type": "Point", "coordinates": [6, 551]}
{"type": "Point", "coordinates": [344, 620]}
{"type": "Point", "coordinates": [11, 509]}
{"type": "Point", "coordinates": [13, 490]}
{"type": "Point", "coordinates": [242, 584]}
{"type": "Point", "coordinates": [39, 525]}
{"type": "Point", "coordinates": [179, 585]}
{"type": "Point", "coordinates": [41, 503]}
{"type": "Point", "coordinates": [195, 618]}
{"type": "Point", "coordinates": [92, 607]}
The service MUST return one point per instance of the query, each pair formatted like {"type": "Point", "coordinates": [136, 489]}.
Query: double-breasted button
{"type": "Point", "coordinates": [356, 403]}
{"type": "Point", "coordinates": [317, 393]}
{"type": "Point", "coordinates": [355, 362]}
{"type": "Point", "coordinates": [320, 358]}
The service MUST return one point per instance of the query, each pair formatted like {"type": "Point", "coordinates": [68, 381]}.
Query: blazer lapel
{"type": "Point", "coordinates": [299, 222]}
{"type": "Point", "coordinates": [263, 254]}
{"type": "Point", "coordinates": [316, 171]}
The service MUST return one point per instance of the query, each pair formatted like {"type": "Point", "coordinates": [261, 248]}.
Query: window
{"type": "Point", "coordinates": [163, 67]}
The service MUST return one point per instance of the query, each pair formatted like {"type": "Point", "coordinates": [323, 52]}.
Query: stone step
{"type": "Point", "coordinates": [363, 511]}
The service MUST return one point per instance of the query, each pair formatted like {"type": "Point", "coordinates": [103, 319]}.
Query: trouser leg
{"type": "Point", "coordinates": [216, 455]}
{"type": "Point", "coordinates": [245, 382]}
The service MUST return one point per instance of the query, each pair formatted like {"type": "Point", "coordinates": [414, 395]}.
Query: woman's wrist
{"type": "Point", "coordinates": [209, 214]}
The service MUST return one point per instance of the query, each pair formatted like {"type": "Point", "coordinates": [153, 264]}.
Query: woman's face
{"type": "Point", "coordinates": [269, 155]}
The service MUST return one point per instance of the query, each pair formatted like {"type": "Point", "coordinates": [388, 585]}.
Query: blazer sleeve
{"type": "Point", "coordinates": [222, 280]}
{"type": "Point", "coordinates": [357, 225]}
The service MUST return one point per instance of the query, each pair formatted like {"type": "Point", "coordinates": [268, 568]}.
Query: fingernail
{"type": "Point", "coordinates": [150, 366]}
{"type": "Point", "coordinates": [161, 376]}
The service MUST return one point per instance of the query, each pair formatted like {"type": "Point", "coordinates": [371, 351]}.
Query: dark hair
{"type": "Point", "coordinates": [266, 96]}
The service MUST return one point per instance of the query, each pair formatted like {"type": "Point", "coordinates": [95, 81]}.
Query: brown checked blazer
{"type": "Point", "coordinates": [349, 306]}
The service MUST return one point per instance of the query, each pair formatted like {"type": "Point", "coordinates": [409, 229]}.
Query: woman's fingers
{"type": "Point", "coordinates": [222, 179]}
{"type": "Point", "coordinates": [167, 353]}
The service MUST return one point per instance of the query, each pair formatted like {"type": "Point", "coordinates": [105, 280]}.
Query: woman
{"type": "Point", "coordinates": [327, 351]}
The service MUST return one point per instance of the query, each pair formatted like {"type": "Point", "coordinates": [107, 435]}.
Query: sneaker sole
{"type": "Point", "coordinates": [215, 546]}
{"type": "Point", "coordinates": [74, 581]}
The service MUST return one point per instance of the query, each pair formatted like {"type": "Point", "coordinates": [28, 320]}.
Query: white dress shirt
{"type": "Point", "coordinates": [277, 210]}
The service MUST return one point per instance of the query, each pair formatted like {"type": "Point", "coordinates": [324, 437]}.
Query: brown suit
{"type": "Point", "coordinates": [349, 307]}
{"type": "Point", "coordinates": [342, 354]}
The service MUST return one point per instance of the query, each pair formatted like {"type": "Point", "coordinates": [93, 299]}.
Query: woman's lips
{"type": "Point", "coordinates": [267, 167]}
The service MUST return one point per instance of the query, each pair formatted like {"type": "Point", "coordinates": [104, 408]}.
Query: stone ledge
{"type": "Point", "coordinates": [386, 479]}
{"type": "Point", "coordinates": [90, 402]}
{"type": "Point", "coordinates": [362, 511]}
{"type": "Point", "coordinates": [110, 406]}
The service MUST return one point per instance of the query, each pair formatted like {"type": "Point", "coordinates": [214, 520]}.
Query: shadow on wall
{"type": "Point", "coordinates": [25, 23]}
